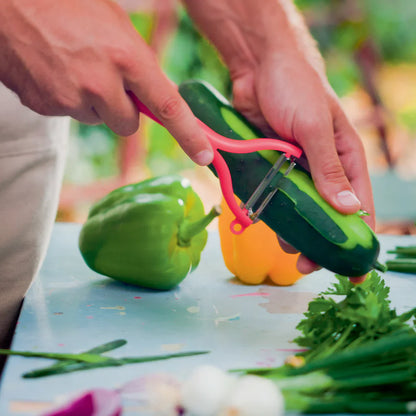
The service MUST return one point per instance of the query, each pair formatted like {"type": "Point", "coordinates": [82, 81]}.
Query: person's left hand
{"type": "Point", "coordinates": [286, 95]}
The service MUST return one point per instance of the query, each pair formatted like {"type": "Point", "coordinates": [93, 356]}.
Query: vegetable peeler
{"type": "Point", "coordinates": [245, 214]}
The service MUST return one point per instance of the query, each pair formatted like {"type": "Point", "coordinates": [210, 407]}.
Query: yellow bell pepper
{"type": "Point", "coordinates": [255, 255]}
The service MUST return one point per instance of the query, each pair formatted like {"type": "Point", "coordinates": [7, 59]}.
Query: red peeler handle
{"type": "Point", "coordinates": [242, 219]}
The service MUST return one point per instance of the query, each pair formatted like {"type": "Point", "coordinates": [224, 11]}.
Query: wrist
{"type": "Point", "coordinates": [245, 33]}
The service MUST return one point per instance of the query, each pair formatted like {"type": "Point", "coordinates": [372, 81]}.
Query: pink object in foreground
{"type": "Point", "coordinates": [97, 402]}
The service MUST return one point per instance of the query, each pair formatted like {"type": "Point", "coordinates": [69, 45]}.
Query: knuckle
{"type": "Point", "coordinates": [66, 103]}
{"type": "Point", "coordinates": [128, 127]}
{"type": "Point", "coordinates": [122, 58]}
{"type": "Point", "coordinates": [356, 143]}
{"type": "Point", "coordinates": [315, 125]}
{"type": "Point", "coordinates": [313, 121]}
{"type": "Point", "coordinates": [93, 88]}
{"type": "Point", "coordinates": [333, 172]}
{"type": "Point", "coordinates": [242, 95]}
{"type": "Point", "coordinates": [38, 105]}
{"type": "Point", "coordinates": [169, 108]}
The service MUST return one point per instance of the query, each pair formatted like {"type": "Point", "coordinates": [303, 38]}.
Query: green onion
{"type": "Point", "coordinates": [67, 364]}
{"type": "Point", "coordinates": [405, 261]}
{"type": "Point", "coordinates": [392, 344]}
{"type": "Point", "coordinates": [83, 358]}
{"type": "Point", "coordinates": [404, 265]}
{"type": "Point", "coordinates": [89, 359]}
{"type": "Point", "coordinates": [408, 251]}
{"type": "Point", "coordinates": [113, 362]}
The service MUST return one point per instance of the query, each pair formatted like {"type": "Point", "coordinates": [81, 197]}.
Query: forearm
{"type": "Point", "coordinates": [244, 31]}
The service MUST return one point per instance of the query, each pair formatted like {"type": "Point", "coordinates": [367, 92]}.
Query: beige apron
{"type": "Point", "coordinates": [32, 158]}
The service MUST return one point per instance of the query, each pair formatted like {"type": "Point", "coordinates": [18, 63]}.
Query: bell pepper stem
{"type": "Point", "coordinates": [187, 230]}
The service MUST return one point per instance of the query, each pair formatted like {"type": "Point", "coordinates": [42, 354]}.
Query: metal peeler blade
{"type": "Point", "coordinates": [255, 196]}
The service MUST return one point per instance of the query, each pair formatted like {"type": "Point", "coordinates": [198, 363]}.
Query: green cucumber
{"type": "Point", "coordinates": [344, 244]}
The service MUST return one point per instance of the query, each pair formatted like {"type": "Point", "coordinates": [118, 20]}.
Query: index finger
{"type": "Point", "coordinates": [158, 93]}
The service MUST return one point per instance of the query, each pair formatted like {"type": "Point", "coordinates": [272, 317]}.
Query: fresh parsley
{"type": "Point", "coordinates": [363, 313]}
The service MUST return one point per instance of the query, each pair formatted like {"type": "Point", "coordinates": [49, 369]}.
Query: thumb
{"type": "Point", "coordinates": [327, 171]}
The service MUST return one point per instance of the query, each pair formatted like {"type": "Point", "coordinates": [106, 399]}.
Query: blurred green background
{"type": "Point", "coordinates": [370, 51]}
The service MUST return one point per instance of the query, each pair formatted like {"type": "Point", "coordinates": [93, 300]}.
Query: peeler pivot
{"type": "Point", "coordinates": [255, 196]}
{"type": "Point", "coordinates": [244, 214]}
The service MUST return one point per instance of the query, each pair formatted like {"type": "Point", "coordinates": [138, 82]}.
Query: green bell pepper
{"type": "Point", "coordinates": [149, 234]}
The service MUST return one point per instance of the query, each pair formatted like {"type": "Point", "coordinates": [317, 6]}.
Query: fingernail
{"type": "Point", "coordinates": [204, 157]}
{"type": "Point", "coordinates": [348, 199]}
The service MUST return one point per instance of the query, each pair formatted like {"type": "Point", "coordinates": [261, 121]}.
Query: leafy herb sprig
{"type": "Point", "coordinates": [362, 314]}
{"type": "Point", "coordinates": [361, 355]}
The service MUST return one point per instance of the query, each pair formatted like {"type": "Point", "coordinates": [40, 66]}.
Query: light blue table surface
{"type": "Point", "coordinates": [394, 196]}
{"type": "Point", "coordinates": [70, 308]}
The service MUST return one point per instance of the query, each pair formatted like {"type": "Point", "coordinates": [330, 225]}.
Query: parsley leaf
{"type": "Point", "coordinates": [362, 314]}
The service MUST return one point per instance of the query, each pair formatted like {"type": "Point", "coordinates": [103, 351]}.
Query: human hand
{"type": "Point", "coordinates": [80, 58]}
{"type": "Point", "coordinates": [287, 95]}
{"type": "Point", "coordinates": [279, 84]}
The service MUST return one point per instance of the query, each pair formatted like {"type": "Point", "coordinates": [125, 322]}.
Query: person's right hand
{"type": "Point", "coordinates": [79, 58]}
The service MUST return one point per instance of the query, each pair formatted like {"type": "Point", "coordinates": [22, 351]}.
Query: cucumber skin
{"type": "Point", "coordinates": [247, 170]}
